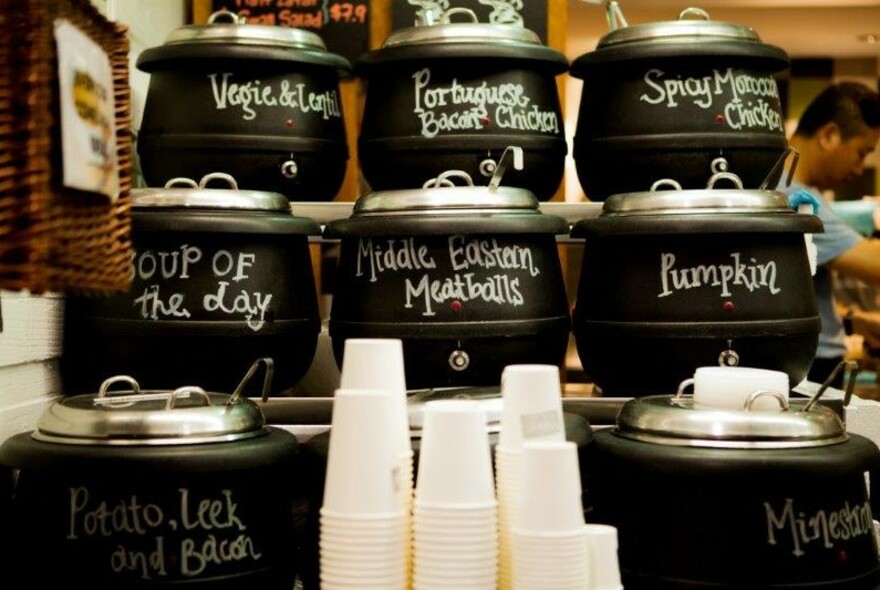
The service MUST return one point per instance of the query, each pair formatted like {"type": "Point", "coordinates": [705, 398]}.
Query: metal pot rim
{"type": "Point", "coordinates": [662, 202]}
{"type": "Point", "coordinates": [675, 421]}
{"type": "Point", "coordinates": [240, 33]}
{"type": "Point", "coordinates": [452, 33]}
{"type": "Point", "coordinates": [680, 30]}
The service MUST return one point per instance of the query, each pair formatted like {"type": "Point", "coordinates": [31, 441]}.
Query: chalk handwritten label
{"type": "Point", "coordinates": [744, 101]}
{"type": "Point", "coordinates": [788, 524]}
{"type": "Point", "coordinates": [468, 258]}
{"type": "Point", "coordinates": [228, 293]}
{"type": "Point", "coordinates": [251, 98]}
{"type": "Point", "coordinates": [155, 540]}
{"type": "Point", "coordinates": [737, 272]}
{"type": "Point", "coordinates": [455, 106]}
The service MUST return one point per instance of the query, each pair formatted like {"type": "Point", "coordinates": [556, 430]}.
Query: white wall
{"type": "Point", "coordinates": [30, 342]}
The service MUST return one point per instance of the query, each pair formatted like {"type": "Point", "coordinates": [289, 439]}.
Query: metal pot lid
{"type": "Point", "coordinates": [187, 415]}
{"type": "Point", "coordinates": [228, 28]}
{"type": "Point", "coordinates": [441, 197]}
{"type": "Point", "coordinates": [439, 29]}
{"type": "Point", "coordinates": [439, 39]}
{"type": "Point", "coordinates": [693, 25]}
{"type": "Point", "coordinates": [683, 202]}
{"type": "Point", "coordinates": [666, 197]}
{"type": "Point", "coordinates": [673, 420]}
{"type": "Point", "coordinates": [186, 193]}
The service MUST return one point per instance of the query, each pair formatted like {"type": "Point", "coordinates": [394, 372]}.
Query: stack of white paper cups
{"type": "Point", "coordinates": [363, 537]}
{"type": "Point", "coordinates": [532, 410]}
{"type": "Point", "coordinates": [604, 564]}
{"type": "Point", "coordinates": [550, 542]}
{"type": "Point", "coordinates": [377, 363]}
{"type": "Point", "coordinates": [455, 519]}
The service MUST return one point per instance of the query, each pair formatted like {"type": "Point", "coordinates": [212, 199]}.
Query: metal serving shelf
{"type": "Point", "coordinates": [598, 411]}
{"type": "Point", "coordinates": [317, 411]}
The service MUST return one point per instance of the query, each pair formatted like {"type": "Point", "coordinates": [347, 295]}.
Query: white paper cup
{"type": "Point", "coordinates": [728, 388]}
{"type": "Point", "coordinates": [550, 497]}
{"type": "Point", "coordinates": [532, 405]}
{"type": "Point", "coordinates": [604, 565]}
{"type": "Point", "coordinates": [437, 527]}
{"type": "Point", "coordinates": [543, 561]}
{"type": "Point", "coordinates": [352, 580]}
{"type": "Point", "coordinates": [377, 363]}
{"type": "Point", "coordinates": [453, 582]}
{"type": "Point", "coordinates": [362, 458]}
{"type": "Point", "coordinates": [455, 464]}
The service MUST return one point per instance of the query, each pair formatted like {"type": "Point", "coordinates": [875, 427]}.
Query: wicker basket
{"type": "Point", "coordinates": [53, 238]}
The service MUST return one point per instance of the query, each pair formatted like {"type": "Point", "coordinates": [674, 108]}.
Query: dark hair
{"type": "Point", "coordinates": [849, 104]}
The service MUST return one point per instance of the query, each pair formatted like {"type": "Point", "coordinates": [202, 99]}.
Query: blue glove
{"type": "Point", "coordinates": [803, 197]}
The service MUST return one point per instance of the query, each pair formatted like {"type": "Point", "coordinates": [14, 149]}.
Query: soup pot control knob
{"type": "Point", "coordinates": [459, 360]}
{"type": "Point", "coordinates": [728, 358]}
{"type": "Point", "coordinates": [289, 169]}
{"type": "Point", "coordinates": [487, 167]}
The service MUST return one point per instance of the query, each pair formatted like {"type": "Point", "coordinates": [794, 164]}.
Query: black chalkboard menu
{"type": "Point", "coordinates": [531, 14]}
{"type": "Point", "coordinates": [342, 24]}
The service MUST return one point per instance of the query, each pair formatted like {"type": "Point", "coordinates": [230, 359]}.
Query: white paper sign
{"type": "Point", "coordinates": [88, 125]}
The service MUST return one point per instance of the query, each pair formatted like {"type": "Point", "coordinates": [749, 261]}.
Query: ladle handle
{"type": "Point", "coordinates": [512, 155]}
{"type": "Point", "coordinates": [853, 371]}
{"type": "Point", "coordinates": [267, 380]}
{"type": "Point", "coordinates": [614, 16]}
{"type": "Point", "coordinates": [789, 151]}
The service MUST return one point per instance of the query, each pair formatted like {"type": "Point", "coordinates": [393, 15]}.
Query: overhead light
{"type": "Point", "coordinates": [870, 38]}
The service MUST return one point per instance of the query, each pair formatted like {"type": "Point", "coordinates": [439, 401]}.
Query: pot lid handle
{"type": "Point", "coordinates": [104, 395]}
{"type": "Point", "coordinates": [186, 392]}
{"type": "Point", "coordinates": [181, 181]}
{"type": "Point", "coordinates": [755, 395]}
{"type": "Point", "coordinates": [122, 399]}
{"type": "Point", "coordinates": [226, 16]}
{"type": "Point", "coordinates": [228, 178]}
{"type": "Point", "coordinates": [445, 17]}
{"type": "Point", "coordinates": [667, 182]}
{"type": "Point", "coordinates": [693, 11]}
{"type": "Point", "coordinates": [513, 153]}
{"type": "Point", "coordinates": [737, 183]}
{"type": "Point", "coordinates": [267, 380]}
{"type": "Point", "coordinates": [444, 179]}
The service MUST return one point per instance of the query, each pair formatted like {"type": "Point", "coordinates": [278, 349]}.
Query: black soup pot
{"type": "Point", "coordinates": [665, 99]}
{"type": "Point", "coordinates": [154, 489]}
{"type": "Point", "coordinates": [674, 280]}
{"type": "Point", "coordinates": [733, 499]}
{"type": "Point", "coordinates": [453, 96]}
{"type": "Point", "coordinates": [469, 279]}
{"type": "Point", "coordinates": [258, 102]}
{"type": "Point", "coordinates": [220, 277]}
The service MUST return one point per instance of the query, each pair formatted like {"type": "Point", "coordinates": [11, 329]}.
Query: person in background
{"type": "Point", "coordinates": [835, 134]}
